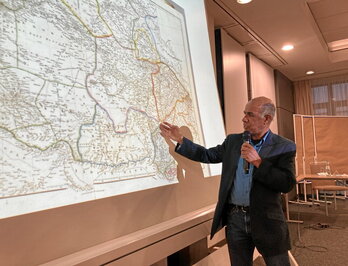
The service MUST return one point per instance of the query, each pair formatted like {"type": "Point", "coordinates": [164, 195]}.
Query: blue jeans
{"type": "Point", "coordinates": [240, 244]}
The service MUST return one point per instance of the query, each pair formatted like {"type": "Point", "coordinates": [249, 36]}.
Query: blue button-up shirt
{"type": "Point", "coordinates": [242, 184]}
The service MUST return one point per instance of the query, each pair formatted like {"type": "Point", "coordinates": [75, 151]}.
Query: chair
{"type": "Point", "coordinates": [323, 168]}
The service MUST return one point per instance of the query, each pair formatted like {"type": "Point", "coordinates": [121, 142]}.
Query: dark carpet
{"type": "Point", "coordinates": [320, 240]}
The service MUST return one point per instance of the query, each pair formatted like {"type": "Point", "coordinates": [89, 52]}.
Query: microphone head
{"type": "Point", "coordinates": [246, 136]}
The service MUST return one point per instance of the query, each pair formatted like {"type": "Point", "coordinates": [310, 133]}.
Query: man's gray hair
{"type": "Point", "coordinates": [267, 109]}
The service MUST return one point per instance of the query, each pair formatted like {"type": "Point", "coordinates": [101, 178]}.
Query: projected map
{"type": "Point", "coordinates": [83, 87]}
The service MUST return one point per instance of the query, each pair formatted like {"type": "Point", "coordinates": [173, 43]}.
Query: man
{"type": "Point", "coordinates": [249, 202]}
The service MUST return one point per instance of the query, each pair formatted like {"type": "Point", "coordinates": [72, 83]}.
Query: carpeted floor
{"type": "Point", "coordinates": [321, 240]}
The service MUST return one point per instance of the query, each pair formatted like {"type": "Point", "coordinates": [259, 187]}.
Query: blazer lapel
{"type": "Point", "coordinates": [267, 146]}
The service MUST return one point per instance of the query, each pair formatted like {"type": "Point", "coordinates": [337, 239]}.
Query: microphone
{"type": "Point", "coordinates": [246, 139]}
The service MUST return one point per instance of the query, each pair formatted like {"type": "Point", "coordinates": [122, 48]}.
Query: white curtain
{"type": "Point", "coordinates": [327, 96]}
{"type": "Point", "coordinates": [330, 96]}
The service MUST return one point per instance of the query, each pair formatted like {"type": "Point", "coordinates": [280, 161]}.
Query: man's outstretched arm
{"type": "Point", "coordinates": [190, 149]}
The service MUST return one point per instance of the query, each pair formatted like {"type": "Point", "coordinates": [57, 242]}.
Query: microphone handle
{"type": "Point", "coordinates": [246, 164]}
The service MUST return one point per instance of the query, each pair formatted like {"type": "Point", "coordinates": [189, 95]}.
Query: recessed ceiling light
{"type": "Point", "coordinates": [287, 47]}
{"type": "Point", "coordinates": [243, 1]}
{"type": "Point", "coordinates": [310, 72]}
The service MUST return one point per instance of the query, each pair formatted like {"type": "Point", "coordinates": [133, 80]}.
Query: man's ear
{"type": "Point", "coordinates": [268, 118]}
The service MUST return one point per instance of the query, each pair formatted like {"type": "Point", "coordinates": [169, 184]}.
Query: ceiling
{"type": "Point", "coordinates": [316, 28]}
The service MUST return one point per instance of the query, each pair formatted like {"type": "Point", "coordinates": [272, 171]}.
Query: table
{"type": "Point", "coordinates": [309, 177]}
{"type": "Point", "coordinates": [303, 177]}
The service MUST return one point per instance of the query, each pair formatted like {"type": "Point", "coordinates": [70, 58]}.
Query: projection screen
{"type": "Point", "coordinates": [84, 86]}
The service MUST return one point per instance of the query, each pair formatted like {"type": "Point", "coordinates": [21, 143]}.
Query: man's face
{"type": "Point", "coordinates": [253, 121]}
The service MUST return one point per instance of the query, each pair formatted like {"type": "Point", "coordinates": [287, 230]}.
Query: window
{"type": "Point", "coordinates": [330, 99]}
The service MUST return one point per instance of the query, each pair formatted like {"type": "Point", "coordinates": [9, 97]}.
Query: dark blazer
{"type": "Point", "coordinates": [275, 175]}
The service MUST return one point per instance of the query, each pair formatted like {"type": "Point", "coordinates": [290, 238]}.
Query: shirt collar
{"type": "Point", "coordinates": [259, 143]}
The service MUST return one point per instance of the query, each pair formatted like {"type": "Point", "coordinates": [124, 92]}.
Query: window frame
{"type": "Point", "coordinates": [330, 107]}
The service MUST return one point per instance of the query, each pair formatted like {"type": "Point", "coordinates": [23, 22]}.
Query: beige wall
{"type": "Point", "coordinates": [262, 83]}
{"type": "Point", "coordinates": [235, 83]}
